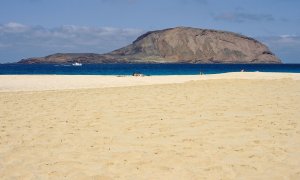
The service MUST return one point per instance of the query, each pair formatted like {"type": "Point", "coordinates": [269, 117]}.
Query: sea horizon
{"type": "Point", "coordinates": [146, 69]}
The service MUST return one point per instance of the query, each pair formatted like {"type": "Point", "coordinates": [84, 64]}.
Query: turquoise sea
{"type": "Point", "coordinates": [147, 69]}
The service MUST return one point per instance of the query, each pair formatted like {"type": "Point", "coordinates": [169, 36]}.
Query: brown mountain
{"type": "Point", "coordinates": [176, 45]}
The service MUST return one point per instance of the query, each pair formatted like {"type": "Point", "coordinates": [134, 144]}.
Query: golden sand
{"type": "Point", "coordinates": [222, 127]}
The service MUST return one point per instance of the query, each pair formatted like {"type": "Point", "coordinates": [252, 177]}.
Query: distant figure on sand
{"type": "Point", "coordinates": [137, 74]}
{"type": "Point", "coordinates": [242, 70]}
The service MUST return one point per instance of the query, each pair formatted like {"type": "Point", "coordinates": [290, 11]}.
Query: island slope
{"type": "Point", "coordinates": [176, 45]}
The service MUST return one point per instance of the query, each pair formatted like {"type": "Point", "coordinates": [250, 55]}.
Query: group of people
{"type": "Point", "coordinates": [137, 74]}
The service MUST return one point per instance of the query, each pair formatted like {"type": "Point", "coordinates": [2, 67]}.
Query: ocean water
{"type": "Point", "coordinates": [147, 69]}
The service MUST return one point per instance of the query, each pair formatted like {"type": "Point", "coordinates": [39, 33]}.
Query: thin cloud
{"type": "Point", "coordinates": [16, 33]}
{"type": "Point", "coordinates": [13, 27]}
{"type": "Point", "coordinates": [285, 46]}
{"type": "Point", "coordinates": [240, 17]}
{"type": "Point", "coordinates": [69, 38]}
{"type": "Point", "coordinates": [282, 40]}
{"type": "Point", "coordinates": [118, 1]}
{"type": "Point", "coordinates": [194, 1]}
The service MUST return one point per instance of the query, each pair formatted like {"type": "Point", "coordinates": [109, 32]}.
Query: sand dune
{"type": "Point", "coordinates": [234, 126]}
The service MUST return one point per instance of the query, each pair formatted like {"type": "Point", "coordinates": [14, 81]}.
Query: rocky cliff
{"type": "Point", "coordinates": [177, 45]}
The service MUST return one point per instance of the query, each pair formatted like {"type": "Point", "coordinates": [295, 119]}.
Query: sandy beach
{"type": "Point", "coordinates": [225, 126]}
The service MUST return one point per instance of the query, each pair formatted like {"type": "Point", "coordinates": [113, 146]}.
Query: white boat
{"type": "Point", "coordinates": [76, 64]}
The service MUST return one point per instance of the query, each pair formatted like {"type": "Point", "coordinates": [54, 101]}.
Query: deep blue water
{"type": "Point", "coordinates": [147, 69]}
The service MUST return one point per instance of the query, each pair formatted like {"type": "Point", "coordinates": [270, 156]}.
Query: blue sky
{"type": "Point", "coordinates": [32, 28]}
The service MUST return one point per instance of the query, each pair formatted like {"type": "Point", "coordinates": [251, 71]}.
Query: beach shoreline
{"type": "Point", "coordinates": [66, 82]}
